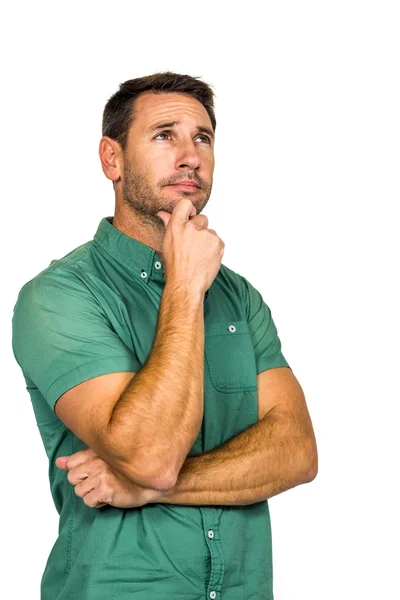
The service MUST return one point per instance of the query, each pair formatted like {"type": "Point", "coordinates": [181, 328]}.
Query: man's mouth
{"type": "Point", "coordinates": [190, 184]}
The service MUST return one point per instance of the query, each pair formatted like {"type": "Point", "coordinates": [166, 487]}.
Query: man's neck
{"type": "Point", "coordinates": [140, 229]}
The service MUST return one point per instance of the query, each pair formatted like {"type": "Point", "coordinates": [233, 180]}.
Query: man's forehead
{"type": "Point", "coordinates": [151, 108]}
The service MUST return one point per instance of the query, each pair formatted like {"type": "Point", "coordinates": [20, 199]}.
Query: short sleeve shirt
{"type": "Point", "coordinates": [93, 312]}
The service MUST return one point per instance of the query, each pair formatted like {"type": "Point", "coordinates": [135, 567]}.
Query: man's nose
{"type": "Point", "coordinates": [188, 155]}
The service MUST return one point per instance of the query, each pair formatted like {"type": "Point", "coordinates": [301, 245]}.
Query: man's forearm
{"type": "Point", "coordinates": [158, 417]}
{"type": "Point", "coordinates": [266, 459]}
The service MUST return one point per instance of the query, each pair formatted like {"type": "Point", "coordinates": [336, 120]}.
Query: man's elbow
{"type": "Point", "coordinates": [310, 460]}
{"type": "Point", "coordinates": [163, 482]}
{"type": "Point", "coordinates": [311, 474]}
{"type": "Point", "coordinates": [149, 474]}
{"type": "Point", "coordinates": [141, 465]}
{"type": "Point", "coordinates": [312, 470]}
{"type": "Point", "coordinates": [154, 470]}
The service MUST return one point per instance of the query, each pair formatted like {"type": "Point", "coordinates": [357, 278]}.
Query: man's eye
{"type": "Point", "coordinates": [168, 133]}
{"type": "Point", "coordinates": [206, 138]}
{"type": "Point", "coordinates": [162, 133]}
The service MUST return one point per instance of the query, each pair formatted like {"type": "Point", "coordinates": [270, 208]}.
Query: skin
{"type": "Point", "coordinates": [153, 160]}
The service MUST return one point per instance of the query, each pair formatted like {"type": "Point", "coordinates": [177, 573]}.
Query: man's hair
{"type": "Point", "coordinates": [119, 112]}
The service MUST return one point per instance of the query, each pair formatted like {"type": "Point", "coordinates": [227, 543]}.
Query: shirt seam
{"type": "Point", "coordinates": [68, 261]}
{"type": "Point", "coordinates": [84, 365]}
{"type": "Point", "coordinates": [84, 285]}
{"type": "Point", "coordinates": [70, 531]}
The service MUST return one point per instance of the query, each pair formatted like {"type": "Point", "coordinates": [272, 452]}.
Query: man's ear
{"type": "Point", "coordinates": [111, 158]}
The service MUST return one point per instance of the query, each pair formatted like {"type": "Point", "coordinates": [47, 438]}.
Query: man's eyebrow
{"type": "Point", "coordinates": [200, 128]}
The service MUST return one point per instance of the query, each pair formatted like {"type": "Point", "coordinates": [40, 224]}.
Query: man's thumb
{"type": "Point", "coordinates": [164, 216]}
{"type": "Point", "coordinates": [62, 462]}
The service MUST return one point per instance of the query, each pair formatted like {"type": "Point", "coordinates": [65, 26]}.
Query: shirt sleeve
{"type": "Point", "coordinates": [264, 334]}
{"type": "Point", "coordinates": [61, 336]}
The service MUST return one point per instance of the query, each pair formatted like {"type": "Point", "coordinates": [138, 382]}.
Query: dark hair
{"type": "Point", "coordinates": [119, 112]}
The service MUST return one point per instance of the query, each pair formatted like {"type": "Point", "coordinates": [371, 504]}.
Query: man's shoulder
{"type": "Point", "coordinates": [245, 288]}
{"type": "Point", "coordinates": [65, 269]}
{"type": "Point", "coordinates": [70, 262]}
{"type": "Point", "coordinates": [230, 276]}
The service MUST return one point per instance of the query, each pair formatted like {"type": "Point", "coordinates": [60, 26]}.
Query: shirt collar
{"type": "Point", "coordinates": [138, 258]}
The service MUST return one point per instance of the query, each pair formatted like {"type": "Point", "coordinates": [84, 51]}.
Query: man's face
{"type": "Point", "coordinates": [156, 158]}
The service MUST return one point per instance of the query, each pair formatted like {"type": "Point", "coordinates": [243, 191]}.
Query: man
{"type": "Point", "coordinates": [157, 377]}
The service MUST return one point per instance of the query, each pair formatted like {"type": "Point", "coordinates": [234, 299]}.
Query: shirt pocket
{"type": "Point", "coordinates": [230, 356]}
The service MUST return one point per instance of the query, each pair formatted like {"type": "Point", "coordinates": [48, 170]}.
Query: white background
{"type": "Point", "coordinates": [306, 187]}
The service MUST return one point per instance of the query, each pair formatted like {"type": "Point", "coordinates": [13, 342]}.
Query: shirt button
{"type": "Point", "coordinates": [232, 328]}
{"type": "Point", "coordinates": [143, 274]}
{"type": "Point", "coordinates": [213, 594]}
{"type": "Point", "coordinates": [157, 264]}
{"type": "Point", "coordinates": [210, 534]}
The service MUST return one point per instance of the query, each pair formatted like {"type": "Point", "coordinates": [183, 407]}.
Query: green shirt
{"type": "Point", "coordinates": [92, 312]}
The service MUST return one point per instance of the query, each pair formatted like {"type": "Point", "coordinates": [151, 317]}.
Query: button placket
{"type": "Point", "coordinates": [211, 517]}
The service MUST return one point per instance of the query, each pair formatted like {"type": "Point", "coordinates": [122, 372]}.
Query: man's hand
{"type": "Point", "coordinates": [98, 484]}
{"type": "Point", "coordinates": [192, 252]}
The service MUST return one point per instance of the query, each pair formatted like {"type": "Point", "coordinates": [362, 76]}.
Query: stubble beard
{"type": "Point", "coordinates": [147, 200]}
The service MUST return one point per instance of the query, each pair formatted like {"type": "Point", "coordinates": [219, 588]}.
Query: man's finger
{"type": "Point", "coordinates": [85, 470]}
{"type": "Point", "coordinates": [164, 216]}
{"type": "Point", "coordinates": [61, 462]}
{"type": "Point", "coordinates": [78, 458]}
{"type": "Point", "coordinates": [183, 210]}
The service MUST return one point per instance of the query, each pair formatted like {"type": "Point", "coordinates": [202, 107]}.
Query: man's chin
{"type": "Point", "coordinates": [171, 202]}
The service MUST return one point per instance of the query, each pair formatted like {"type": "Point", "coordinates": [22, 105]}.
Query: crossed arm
{"type": "Point", "coordinates": [273, 455]}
